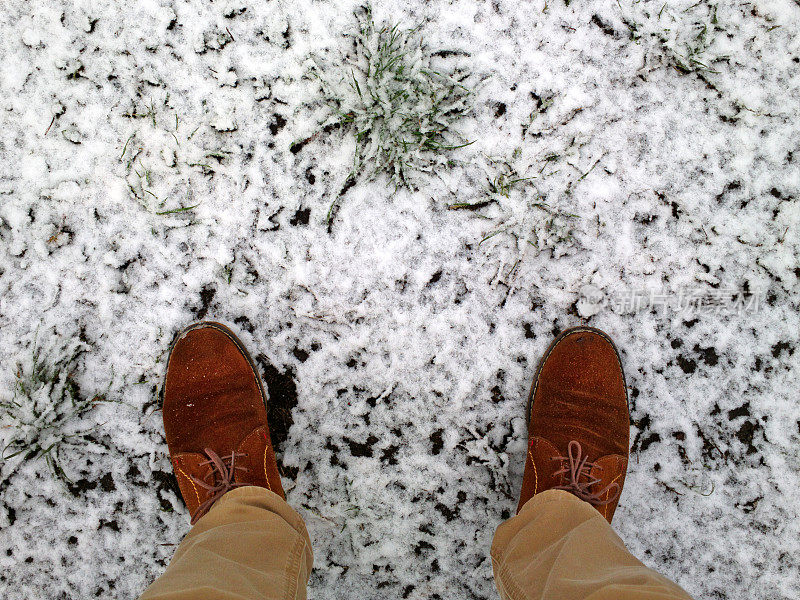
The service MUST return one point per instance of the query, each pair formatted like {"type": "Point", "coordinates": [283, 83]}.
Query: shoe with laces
{"type": "Point", "coordinates": [578, 421]}
{"type": "Point", "coordinates": [215, 418]}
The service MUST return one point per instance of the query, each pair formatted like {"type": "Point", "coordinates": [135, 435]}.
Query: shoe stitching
{"type": "Point", "coordinates": [608, 493]}
{"type": "Point", "coordinates": [266, 449]}
{"type": "Point", "coordinates": [189, 479]}
{"type": "Point", "coordinates": [535, 474]}
{"type": "Point", "coordinates": [244, 443]}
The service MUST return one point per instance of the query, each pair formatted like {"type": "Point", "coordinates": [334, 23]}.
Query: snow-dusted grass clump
{"type": "Point", "coordinates": [163, 157]}
{"type": "Point", "coordinates": [401, 107]}
{"type": "Point", "coordinates": [523, 210]}
{"type": "Point", "coordinates": [44, 418]}
{"type": "Point", "coordinates": [397, 345]}
{"type": "Point", "coordinates": [689, 35]}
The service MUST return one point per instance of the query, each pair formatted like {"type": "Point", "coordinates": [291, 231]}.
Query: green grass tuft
{"type": "Point", "coordinates": [44, 418]}
{"type": "Point", "coordinates": [400, 108]}
{"type": "Point", "coordinates": [687, 31]}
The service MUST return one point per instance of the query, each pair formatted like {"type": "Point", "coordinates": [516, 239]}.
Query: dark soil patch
{"type": "Point", "coordinates": [301, 217]}
{"type": "Point", "coordinates": [437, 443]}
{"type": "Point", "coordinates": [361, 449]}
{"type": "Point", "coordinates": [206, 297]}
{"type": "Point", "coordinates": [282, 392]}
{"type": "Point", "coordinates": [277, 124]}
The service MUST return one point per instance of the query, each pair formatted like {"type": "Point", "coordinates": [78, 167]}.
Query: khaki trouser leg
{"type": "Point", "coordinates": [561, 548]}
{"type": "Point", "coordinates": [250, 545]}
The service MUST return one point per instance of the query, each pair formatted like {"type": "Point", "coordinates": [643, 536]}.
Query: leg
{"type": "Point", "coordinates": [247, 543]}
{"type": "Point", "coordinates": [562, 548]}
{"type": "Point", "coordinates": [251, 544]}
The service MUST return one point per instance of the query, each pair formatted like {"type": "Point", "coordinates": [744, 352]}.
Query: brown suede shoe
{"type": "Point", "coordinates": [578, 421]}
{"type": "Point", "coordinates": [215, 418]}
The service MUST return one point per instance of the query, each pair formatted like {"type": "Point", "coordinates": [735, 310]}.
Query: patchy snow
{"type": "Point", "coordinates": [664, 147]}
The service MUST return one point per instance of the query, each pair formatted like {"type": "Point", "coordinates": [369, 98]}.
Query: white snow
{"type": "Point", "coordinates": [401, 323]}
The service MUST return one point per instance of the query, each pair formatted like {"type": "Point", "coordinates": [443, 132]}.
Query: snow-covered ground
{"type": "Point", "coordinates": [397, 343]}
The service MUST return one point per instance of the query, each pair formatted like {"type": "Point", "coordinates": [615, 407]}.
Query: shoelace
{"type": "Point", "coordinates": [579, 480]}
{"type": "Point", "coordinates": [223, 471]}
